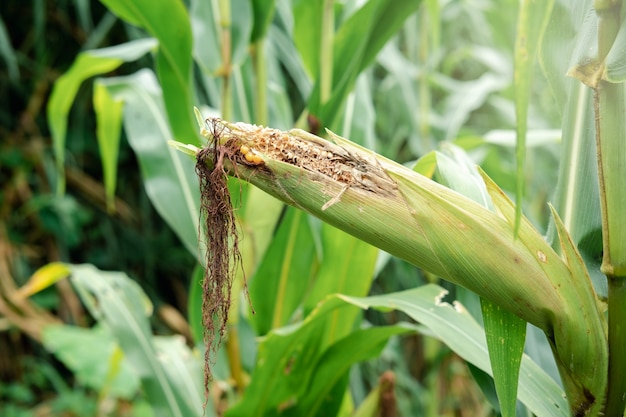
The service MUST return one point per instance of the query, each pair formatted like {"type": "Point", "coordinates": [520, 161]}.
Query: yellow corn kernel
{"type": "Point", "coordinates": [244, 150]}
{"type": "Point", "coordinates": [256, 159]}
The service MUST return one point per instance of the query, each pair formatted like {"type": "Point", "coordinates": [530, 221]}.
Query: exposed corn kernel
{"type": "Point", "coordinates": [256, 159]}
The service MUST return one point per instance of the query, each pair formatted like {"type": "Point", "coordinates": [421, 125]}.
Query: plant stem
{"type": "Point", "coordinates": [225, 40]}
{"type": "Point", "coordinates": [260, 66]}
{"type": "Point", "coordinates": [425, 102]}
{"type": "Point", "coordinates": [234, 357]}
{"type": "Point", "coordinates": [609, 109]}
{"type": "Point", "coordinates": [611, 152]}
{"type": "Point", "coordinates": [326, 51]}
{"type": "Point", "coordinates": [615, 402]}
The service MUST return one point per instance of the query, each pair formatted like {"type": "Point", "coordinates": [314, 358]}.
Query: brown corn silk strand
{"type": "Point", "coordinates": [221, 240]}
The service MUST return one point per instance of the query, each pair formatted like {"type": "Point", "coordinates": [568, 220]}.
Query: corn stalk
{"type": "Point", "coordinates": [437, 229]}
{"type": "Point", "coordinates": [603, 73]}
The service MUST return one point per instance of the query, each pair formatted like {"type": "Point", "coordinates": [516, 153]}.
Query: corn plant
{"type": "Point", "coordinates": [308, 281]}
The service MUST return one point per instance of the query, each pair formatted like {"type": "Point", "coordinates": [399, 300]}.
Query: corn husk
{"type": "Point", "coordinates": [439, 230]}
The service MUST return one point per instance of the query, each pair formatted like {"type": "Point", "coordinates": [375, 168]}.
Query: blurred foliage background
{"type": "Point", "coordinates": [443, 82]}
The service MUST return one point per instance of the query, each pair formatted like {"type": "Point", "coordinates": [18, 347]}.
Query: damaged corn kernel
{"type": "Point", "coordinates": [306, 151]}
{"type": "Point", "coordinates": [250, 155]}
{"type": "Point", "coordinates": [253, 158]}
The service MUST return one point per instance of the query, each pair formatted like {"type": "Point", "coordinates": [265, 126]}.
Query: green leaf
{"type": "Point", "coordinates": [109, 125]}
{"type": "Point", "coordinates": [307, 34]}
{"type": "Point", "coordinates": [184, 370]}
{"type": "Point", "coordinates": [457, 171]}
{"type": "Point", "coordinates": [427, 164]}
{"type": "Point", "coordinates": [168, 176]}
{"type": "Point", "coordinates": [294, 372]}
{"type": "Point", "coordinates": [571, 37]}
{"type": "Point", "coordinates": [288, 57]}
{"type": "Point", "coordinates": [120, 304]}
{"type": "Point", "coordinates": [90, 355]}
{"type": "Point", "coordinates": [194, 307]}
{"type": "Point", "coordinates": [261, 214]}
{"type": "Point", "coordinates": [241, 30]}
{"type": "Point", "coordinates": [262, 10]}
{"type": "Point", "coordinates": [562, 34]}
{"type": "Point", "coordinates": [532, 21]}
{"type": "Point", "coordinates": [283, 368]}
{"type": "Point", "coordinates": [206, 46]}
{"type": "Point", "coordinates": [336, 361]}
{"type": "Point", "coordinates": [457, 329]}
{"type": "Point", "coordinates": [8, 53]}
{"type": "Point", "coordinates": [347, 267]}
{"type": "Point", "coordinates": [616, 59]}
{"type": "Point", "coordinates": [169, 23]}
{"type": "Point", "coordinates": [359, 119]}
{"type": "Point", "coordinates": [505, 338]}
{"type": "Point", "coordinates": [86, 65]}
{"type": "Point", "coordinates": [284, 274]}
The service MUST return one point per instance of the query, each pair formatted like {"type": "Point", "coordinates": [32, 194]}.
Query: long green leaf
{"type": "Point", "coordinates": [531, 25]}
{"type": "Point", "coordinates": [169, 24]}
{"type": "Point", "coordinates": [86, 65]}
{"type": "Point", "coordinates": [615, 60]}
{"type": "Point", "coordinates": [206, 47]}
{"type": "Point", "coordinates": [562, 34]}
{"type": "Point", "coordinates": [280, 282]}
{"type": "Point", "coordinates": [108, 131]}
{"type": "Point", "coordinates": [335, 364]}
{"type": "Point", "coordinates": [307, 33]}
{"type": "Point", "coordinates": [169, 177]}
{"type": "Point", "coordinates": [241, 30]}
{"type": "Point", "coordinates": [294, 372]}
{"type": "Point", "coordinates": [456, 328]}
{"type": "Point", "coordinates": [8, 53]}
{"type": "Point", "coordinates": [347, 267]}
{"type": "Point", "coordinates": [194, 306]}
{"type": "Point", "coordinates": [505, 334]}
{"type": "Point", "coordinates": [184, 371]}
{"type": "Point", "coordinates": [90, 355]}
{"type": "Point", "coordinates": [120, 304]}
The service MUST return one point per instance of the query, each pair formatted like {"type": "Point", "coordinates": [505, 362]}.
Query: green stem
{"type": "Point", "coordinates": [611, 152]}
{"type": "Point", "coordinates": [225, 38]}
{"type": "Point", "coordinates": [608, 12]}
{"type": "Point", "coordinates": [609, 106]}
{"type": "Point", "coordinates": [432, 385]}
{"type": "Point", "coordinates": [423, 117]}
{"type": "Point", "coordinates": [326, 51]}
{"type": "Point", "coordinates": [615, 402]}
{"type": "Point", "coordinates": [233, 351]}
{"type": "Point", "coordinates": [261, 103]}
